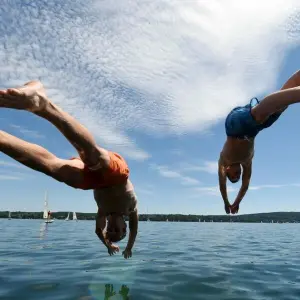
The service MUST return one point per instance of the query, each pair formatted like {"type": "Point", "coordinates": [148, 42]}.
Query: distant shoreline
{"type": "Point", "coordinates": [272, 217]}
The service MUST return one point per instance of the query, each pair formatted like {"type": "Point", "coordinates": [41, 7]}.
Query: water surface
{"type": "Point", "coordinates": [211, 261]}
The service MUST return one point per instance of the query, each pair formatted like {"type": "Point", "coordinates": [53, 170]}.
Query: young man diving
{"type": "Point", "coordinates": [242, 125]}
{"type": "Point", "coordinates": [96, 168]}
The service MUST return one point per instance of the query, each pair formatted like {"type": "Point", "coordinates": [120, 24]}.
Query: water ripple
{"type": "Point", "coordinates": [211, 261]}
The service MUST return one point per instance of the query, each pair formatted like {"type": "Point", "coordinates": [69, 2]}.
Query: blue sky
{"type": "Point", "coordinates": [154, 82]}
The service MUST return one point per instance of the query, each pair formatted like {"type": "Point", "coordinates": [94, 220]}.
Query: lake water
{"type": "Point", "coordinates": [211, 261]}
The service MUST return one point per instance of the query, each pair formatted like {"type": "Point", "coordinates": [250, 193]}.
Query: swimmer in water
{"type": "Point", "coordinates": [242, 125]}
{"type": "Point", "coordinates": [95, 168]}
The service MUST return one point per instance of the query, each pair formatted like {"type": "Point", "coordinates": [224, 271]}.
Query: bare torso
{"type": "Point", "coordinates": [237, 151]}
{"type": "Point", "coordinates": [116, 199]}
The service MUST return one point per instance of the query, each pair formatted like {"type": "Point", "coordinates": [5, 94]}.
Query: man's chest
{"type": "Point", "coordinates": [239, 152]}
{"type": "Point", "coordinates": [115, 203]}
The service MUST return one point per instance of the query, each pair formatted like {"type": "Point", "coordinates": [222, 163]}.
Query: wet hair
{"type": "Point", "coordinates": [238, 171]}
{"type": "Point", "coordinates": [117, 237]}
{"type": "Point", "coordinates": [233, 180]}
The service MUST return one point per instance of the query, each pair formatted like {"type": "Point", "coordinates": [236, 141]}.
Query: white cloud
{"type": "Point", "coordinates": [214, 190]}
{"type": "Point", "coordinates": [22, 174]}
{"type": "Point", "coordinates": [155, 67]}
{"type": "Point", "coordinates": [211, 190]}
{"type": "Point", "coordinates": [27, 132]}
{"type": "Point", "coordinates": [271, 186]}
{"type": "Point", "coordinates": [208, 167]}
{"type": "Point", "coordinates": [186, 180]}
{"type": "Point", "coordinates": [15, 171]}
{"type": "Point", "coordinates": [11, 164]}
{"type": "Point", "coordinates": [165, 171]}
{"type": "Point", "coordinates": [145, 190]}
{"type": "Point", "coordinates": [176, 152]}
{"type": "Point", "coordinates": [9, 177]}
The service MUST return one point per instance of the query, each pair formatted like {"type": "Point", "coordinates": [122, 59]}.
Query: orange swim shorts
{"type": "Point", "coordinates": [116, 173]}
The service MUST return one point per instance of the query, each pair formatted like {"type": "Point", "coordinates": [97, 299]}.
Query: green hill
{"type": "Point", "coordinates": [280, 217]}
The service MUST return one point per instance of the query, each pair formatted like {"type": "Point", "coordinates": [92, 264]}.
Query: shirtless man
{"type": "Point", "coordinates": [96, 168]}
{"type": "Point", "coordinates": [242, 125]}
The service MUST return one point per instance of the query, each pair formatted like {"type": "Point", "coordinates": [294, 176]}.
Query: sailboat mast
{"type": "Point", "coordinates": [45, 214]}
{"type": "Point", "coordinates": [46, 200]}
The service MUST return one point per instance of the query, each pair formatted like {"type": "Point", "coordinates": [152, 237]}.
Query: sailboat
{"type": "Point", "coordinates": [68, 217]}
{"type": "Point", "coordinates": [46, 209]}
{"type": "Point", "coordinates": [74, 216]}
{"type": "Point", "coordinates": [9, 215]}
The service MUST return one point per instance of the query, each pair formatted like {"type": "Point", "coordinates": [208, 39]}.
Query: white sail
{"type": "Point", "coordinates": [9, 215]}
{"type": "Point", "coordinates": [46, 209]}
{"type": "Point", "coordinates": [45, 214]}
{"type": "Point", "coordinates": [74, 216]}
{"type": "Point", "coordinates": [68, 217]}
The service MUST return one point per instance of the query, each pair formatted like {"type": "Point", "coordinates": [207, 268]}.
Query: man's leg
{"type": "Point", "coordinates": [278, 101]}
{"type": "Point", "coordinates": [32, 97]}
{"type": "Point", "coordinates": [39, 159]}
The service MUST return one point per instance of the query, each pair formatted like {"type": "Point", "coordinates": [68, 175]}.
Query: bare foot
{"type": "Point", "coordinates": [31, 96]}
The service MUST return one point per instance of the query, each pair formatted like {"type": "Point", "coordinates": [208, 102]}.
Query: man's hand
{"type": "Point", "coordinates": [124, 291]}
{"type": "Point", "coordinates": [222, 185]}
{"type": "Point", "coordinates": [127, 253]}
{"type": "Point", "coordinates": [227, 207]}
{"type": "Point", "coordinates": [234, 208]}
{"type": "Point", "coordinates": [109, 291]}
{"type": "Point", "coordinates": [112, 249]}
{"type": "Point", "coordinates": [247, 171]}
{"type": "Point", "coordinates": [133, 228]}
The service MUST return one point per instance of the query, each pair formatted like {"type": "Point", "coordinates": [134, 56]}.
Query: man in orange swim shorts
{"type": "Point", "coordinates": [95, 168]}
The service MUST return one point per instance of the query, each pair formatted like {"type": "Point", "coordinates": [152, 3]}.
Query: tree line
{"type": "Point", "coordinates": [280, 217]}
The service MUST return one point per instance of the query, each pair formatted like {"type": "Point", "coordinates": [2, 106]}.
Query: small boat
{"type": "Point", "coordinates": [9, 215]}
{"type": "Point", "coordinates": [68, 217]}
{"type": "Point", "coordinates": [46, 215]}
{"type": "Point", "coordinates": [74, 216]}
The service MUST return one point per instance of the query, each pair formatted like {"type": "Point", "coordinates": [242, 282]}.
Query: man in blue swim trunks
{"type": "Point", "coordinates": [242, 125]}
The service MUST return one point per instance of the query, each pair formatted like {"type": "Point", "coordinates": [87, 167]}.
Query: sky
{"type": "Point", "coordinates": [153, 81]}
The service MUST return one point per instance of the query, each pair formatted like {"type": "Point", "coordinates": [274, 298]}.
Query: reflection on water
{"type": "Point", "coordinates": [43, 230]}
{"type": "Point", "coordinates": [66, 262]}
{"type": "Point", "coordinates": [109, 292]}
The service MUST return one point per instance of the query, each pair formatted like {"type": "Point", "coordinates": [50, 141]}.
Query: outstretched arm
{"type": "Point", "coordinates": [222, 185]}
{"type": "Point", "coordinates": [247, 171]}
{"type": "Point", "coordinates": [100, 226]}
{"type": "Point", "coordinates": [133, 229]}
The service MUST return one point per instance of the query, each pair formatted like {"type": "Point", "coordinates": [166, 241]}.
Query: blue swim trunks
{"type": "Point", "coordinates": [241, 124]}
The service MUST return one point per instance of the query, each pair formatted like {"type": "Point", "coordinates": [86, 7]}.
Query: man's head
{"type": "Point", "coordinates": [233, 172]}
{"type": "Point", "coordinates": [116, 228]}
